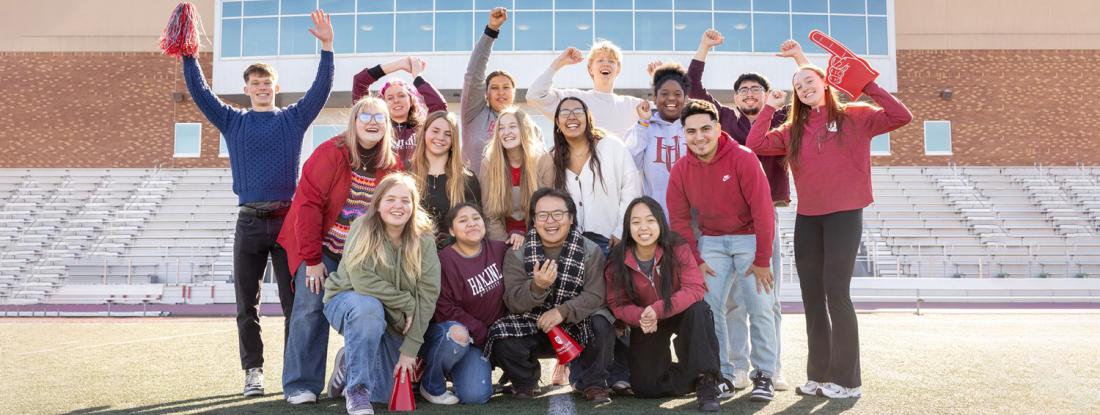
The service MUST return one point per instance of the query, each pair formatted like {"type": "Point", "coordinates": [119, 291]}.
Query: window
{"type": "Point", "coordinates": [851, 31]}
{"type": "Point", "coordinates": [737, 29]}
{"type": "Point", "coordinates": [618, 27]}
{"type": "Point", "coordinates": [375, 32]}
{"type": "Point", "coordinates": [343, 28]}
{"type": "Point", "coordinates": [452, 31]}
{"type": "Point", "coordinates": [653, 31]}
{"type": "Point", "coordinates": [534, 30]}
{"type": "Point", "coordinates": [573, 29]}
{"type": "Point", "coordinates": [223, 148]}
{"type": "Point", "coordinates": [880, 145]}
{"type": "Point", "coordinates": [231, 38]}
{"type": "Point", "coordinates": [416, 32]}
{"type": "Point", "coordinates": [188, 139]}
{"type": "Point", "coordinates": [295, 38]}
{"type": "Point", "coordinates": [259, 36]}
{"type": "Point", "coordinates": [689, 28]}
{"type": "Point", "coordinates": [937, 138]}
{"type": "Point", "coordinates": [771, 31]}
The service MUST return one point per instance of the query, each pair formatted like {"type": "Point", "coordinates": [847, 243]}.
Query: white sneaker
{"type": "Point", "coordinates": [254, 382]}
{"type": "Point", "coordinates": [301, 397]}
{"type": "Point", "coordinates": [833, 391]}
{"type": "Point", "coordinates": [780, 384]}
{"type": "Point", "coordinates": [741, 379]}
{"type": "Point", "coordinates": [808, 389]}
{"type": "Point", "coordinates": [725, 389]}
{"type": "Point", "coordinates": [447, 398]}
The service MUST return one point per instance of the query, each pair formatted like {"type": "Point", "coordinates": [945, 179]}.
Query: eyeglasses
{"type": "Point", "coordinates": [578, 112]}
{"type": "Point", "coordinates": [558, 215]}
{"type": "Point", "coordinates": [365, 117]}
{"type": "Point", "coordinates": [753, 89]}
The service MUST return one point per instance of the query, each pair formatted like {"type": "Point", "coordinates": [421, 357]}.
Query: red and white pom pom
{"type": "Point", "coordinates": [181, 36]}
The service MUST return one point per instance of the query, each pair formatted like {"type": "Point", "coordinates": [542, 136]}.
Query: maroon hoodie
{"type": "Point", "coordinates": [833, 173]}
{"type": "Point", "coordinates": [404, 133]}
{"type": "Point", "coordinates": [687, 287]}
{"type": "Point", "coordinates": [730, 194]}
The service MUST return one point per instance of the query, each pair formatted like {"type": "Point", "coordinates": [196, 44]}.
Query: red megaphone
{"type": "Point", "coordinates": [565, 347]}
{"type": "Point", "coordinates": [401, 399]}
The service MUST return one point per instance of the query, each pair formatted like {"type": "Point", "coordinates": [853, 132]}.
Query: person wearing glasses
{"type": "Point", "coordinates": [557, 279]}
{"type": "Point", "coordinates": [750, 89]}
{"type": "Point", "coordinates": [337, 186]}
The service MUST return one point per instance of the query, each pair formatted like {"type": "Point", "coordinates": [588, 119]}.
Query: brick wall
{"type": "Point", "coordinates": [116, 109]}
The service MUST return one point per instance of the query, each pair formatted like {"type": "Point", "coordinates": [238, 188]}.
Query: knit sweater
{"type": "Point", "coordinates": [399, 294]}
{"type": "Point", "coordinates": [265, 147]}
{"type": "Point", "coordinates": [833, 172]}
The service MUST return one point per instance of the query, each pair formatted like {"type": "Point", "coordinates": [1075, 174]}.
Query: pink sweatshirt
{"type": "Point", "coordinates": [833, 173]}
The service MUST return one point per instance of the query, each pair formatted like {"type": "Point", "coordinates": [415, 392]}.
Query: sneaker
{"type": "Point", "coordinates": [358, 401]}
{"type": "Point", "coordinates": [254, 382]}
{"type": "Point", "coordinates": [725, 389]}
{"type": "Point", "coordinates": [706, 394]}
{"type": "Point", "coordinates": [809, 389]}
{"type": "Point", "coordinates": [597, 394]}
{"type": "Point", "coordinates": [741, 379]}
{"type": "Point", "coordinates": [339, 377]}
{"type": "Point", "coordinates": [561, 375]}
{"type": "Point", "coordinates": [301, 397]}
{"type": "Point", "coordinates": [520, 392]}
{"type": "Point", "coordinates": [833, 391]}
{"type": "Point", "coordinates": [779, 383]}
{"type": "Point", "coordinates": [447, 398]}
{"type": "Point", "coordinates": [762, 390]}
{"type": "Point", "coordinates": [622, 388]}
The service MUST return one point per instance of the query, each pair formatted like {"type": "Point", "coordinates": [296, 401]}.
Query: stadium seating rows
{"type": "Point", "coordinates": [78, 227]}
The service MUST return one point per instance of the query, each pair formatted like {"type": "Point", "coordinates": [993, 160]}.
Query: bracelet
{"type": "Point", "coordinates": [643, 123]}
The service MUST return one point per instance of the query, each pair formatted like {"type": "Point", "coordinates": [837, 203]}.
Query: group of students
{"type": "Point", "coordinates": [446, 252]}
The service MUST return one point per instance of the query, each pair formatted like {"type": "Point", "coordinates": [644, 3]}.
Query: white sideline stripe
{"type": "Point", "coordinates": [561, 404]}
{"type": "Point", "coordinates": [151, 339]}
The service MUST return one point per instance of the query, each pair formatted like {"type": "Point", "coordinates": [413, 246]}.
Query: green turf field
{"type": "Point", "coordinates": [937, 363]}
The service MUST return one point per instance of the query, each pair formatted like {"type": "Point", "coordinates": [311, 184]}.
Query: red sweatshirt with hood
{"type": "Point", "coordinates": [730, 194]}
{"type": "Point", "coordinates": [688, 287]}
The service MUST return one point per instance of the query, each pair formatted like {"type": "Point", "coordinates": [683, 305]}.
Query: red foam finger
{"type": "Point", "coordinates": [830, 45]}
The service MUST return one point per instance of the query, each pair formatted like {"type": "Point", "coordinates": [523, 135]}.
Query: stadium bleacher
{"type": "Point", "coordinates": [69, 234]}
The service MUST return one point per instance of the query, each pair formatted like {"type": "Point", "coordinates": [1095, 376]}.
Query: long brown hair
{"type": "Point", "coordinates": [496, 183]}
{"type": "Point", "coordinates": [386, 157]}
{"type": "Point", "coordinates": [561, 145]}
{"type": "Point", "coordinates": [800, 112]}
{"type": "Point", "coordinates": [456, 169]}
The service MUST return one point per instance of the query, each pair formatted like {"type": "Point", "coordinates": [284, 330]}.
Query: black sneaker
{"type": "Point", "coordinates": [706, 394]}
{"type": "Point", "coordinates": [762, 389]}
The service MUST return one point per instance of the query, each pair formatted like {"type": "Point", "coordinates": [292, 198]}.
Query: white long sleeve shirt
{"type": "Point", "coordinates": [612, 112]}
{"type": "Point", "coordinates": [601, 206]}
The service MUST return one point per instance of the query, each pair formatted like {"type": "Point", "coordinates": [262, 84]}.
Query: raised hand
{"type": "Point", "coordinates": [776, 98]}
{"type": "Point", "coordinates": [417, 66]}
{"type": "Point", "coordinates": [570, 56]}
{"type": "Point", "coordinates": [789, 49]}
{"type": "Point", "coordinates": [652, 67]}
{"type": "Point", "coordinates": [497, 17]}
{"type": "Point", "coordinates": [711, 38]}
{"type": "Point", "coordinates": [644, 110]}
{"type": "Point", "coordinates": [546, 273]}
{"type": "Point", "coordinates": [322, 28]}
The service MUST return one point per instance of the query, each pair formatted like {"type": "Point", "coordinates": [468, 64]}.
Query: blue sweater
{"type": "Point", "coordinates": [265, 147]}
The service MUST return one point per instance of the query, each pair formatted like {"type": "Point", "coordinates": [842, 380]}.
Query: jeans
{"type": "Point", "coordinates": [370, 351]}
{"type": "Point", "coordinates": [737, 318]}
{"type": "Point", "coordinates": [307, 345]}
{"type": "Point", "coordinates": [730, 257]}
{"type": "Point", "coordinates": [253, 243]}
{"type": "Point", "coordinates": [463, 363]}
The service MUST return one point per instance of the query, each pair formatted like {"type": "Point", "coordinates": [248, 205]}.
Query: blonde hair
{"type": "Point", "coordinates": [497, 180]}
{"type": "Point", "coordinates": [604, 46]}
{"type": "Point", "coordinates": [366, 248]}
{"type": "Point", "coordinates": [456, 168]}
{"type": "Point", "coordinates": [386, 157]}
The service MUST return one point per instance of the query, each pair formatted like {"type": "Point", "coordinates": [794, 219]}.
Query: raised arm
{"type": "Point", "coordinates": [762, 139]}
{"type": "Point", "coordinates": [473, 101]}
{"type": "Point", "coordinates": [216, 111]}
{"type": "Point", "coordinates": [307, 108]}
{"type": "Point", "coordinates": [432, 98]}
{"type": "Point", "coordinates": [361, 82]}
{"type": "Point", "coordinates": [893, 114]}
{"type": "Point", "coordinates": [542, 95]}
{"type": "Point", "coordinates": [791, 49]}
{"type": "Point", "coordinates": [711, 38]}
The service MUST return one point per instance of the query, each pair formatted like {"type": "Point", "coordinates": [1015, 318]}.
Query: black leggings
{"type": "Point", "coordinates": [825, 249]}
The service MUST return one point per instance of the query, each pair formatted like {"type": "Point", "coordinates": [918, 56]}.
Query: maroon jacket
{"type": "Point", "coordinates": [688, 287]}
{"type": "Point", "coordinates": [730, 194]}
{"type": "Point", "coordinates": [738, 127]}
{"type": "Point", "coordinates": [404, 132]}
{"type": "Point", "coordinates": [322, 192]}
{"type": "Point", "coordinates": [833, 173]}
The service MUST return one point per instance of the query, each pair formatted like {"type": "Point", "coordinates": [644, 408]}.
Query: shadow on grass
{"type": "Point", "coordinates": [229, 403]}
{"type": "Point", "coordinates": [817, 405]}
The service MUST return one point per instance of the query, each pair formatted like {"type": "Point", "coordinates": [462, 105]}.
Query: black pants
{"type": "Point", "coordinates": [825, 249]}
{"type": "Point", "coordinates": [652, 372]}
{"type": "Point", "coordinates": [252, 244]}
{"type": "Point", "coordinates": [518, 356]}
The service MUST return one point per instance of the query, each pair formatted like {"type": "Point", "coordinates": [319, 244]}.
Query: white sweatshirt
{"type": "Point", "coordinates": [600, 206]}
{"type": "Point", "coordinates": [655, 149]}
{"type": "Point", "coordinates": [612, 112]}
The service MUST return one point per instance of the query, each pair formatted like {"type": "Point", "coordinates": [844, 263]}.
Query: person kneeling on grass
{"type": "Point", "coordinates": [471, 298]}
{"type": "Point", "coordinates": [655, 286]}
{"type": "Point", "coordinates": [382, 296]}
{"type": "Point", "coordinates": [555, 281]}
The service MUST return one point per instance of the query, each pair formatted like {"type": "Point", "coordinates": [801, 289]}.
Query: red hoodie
{"type": "Point", "coordinates": [687, 289]}
{"type": "Point", "coordinates": [730, 194]}
{"type": "Point", "coordinates": [322, 192]}
{"type": "Point", "coordinates": [833, 173]}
